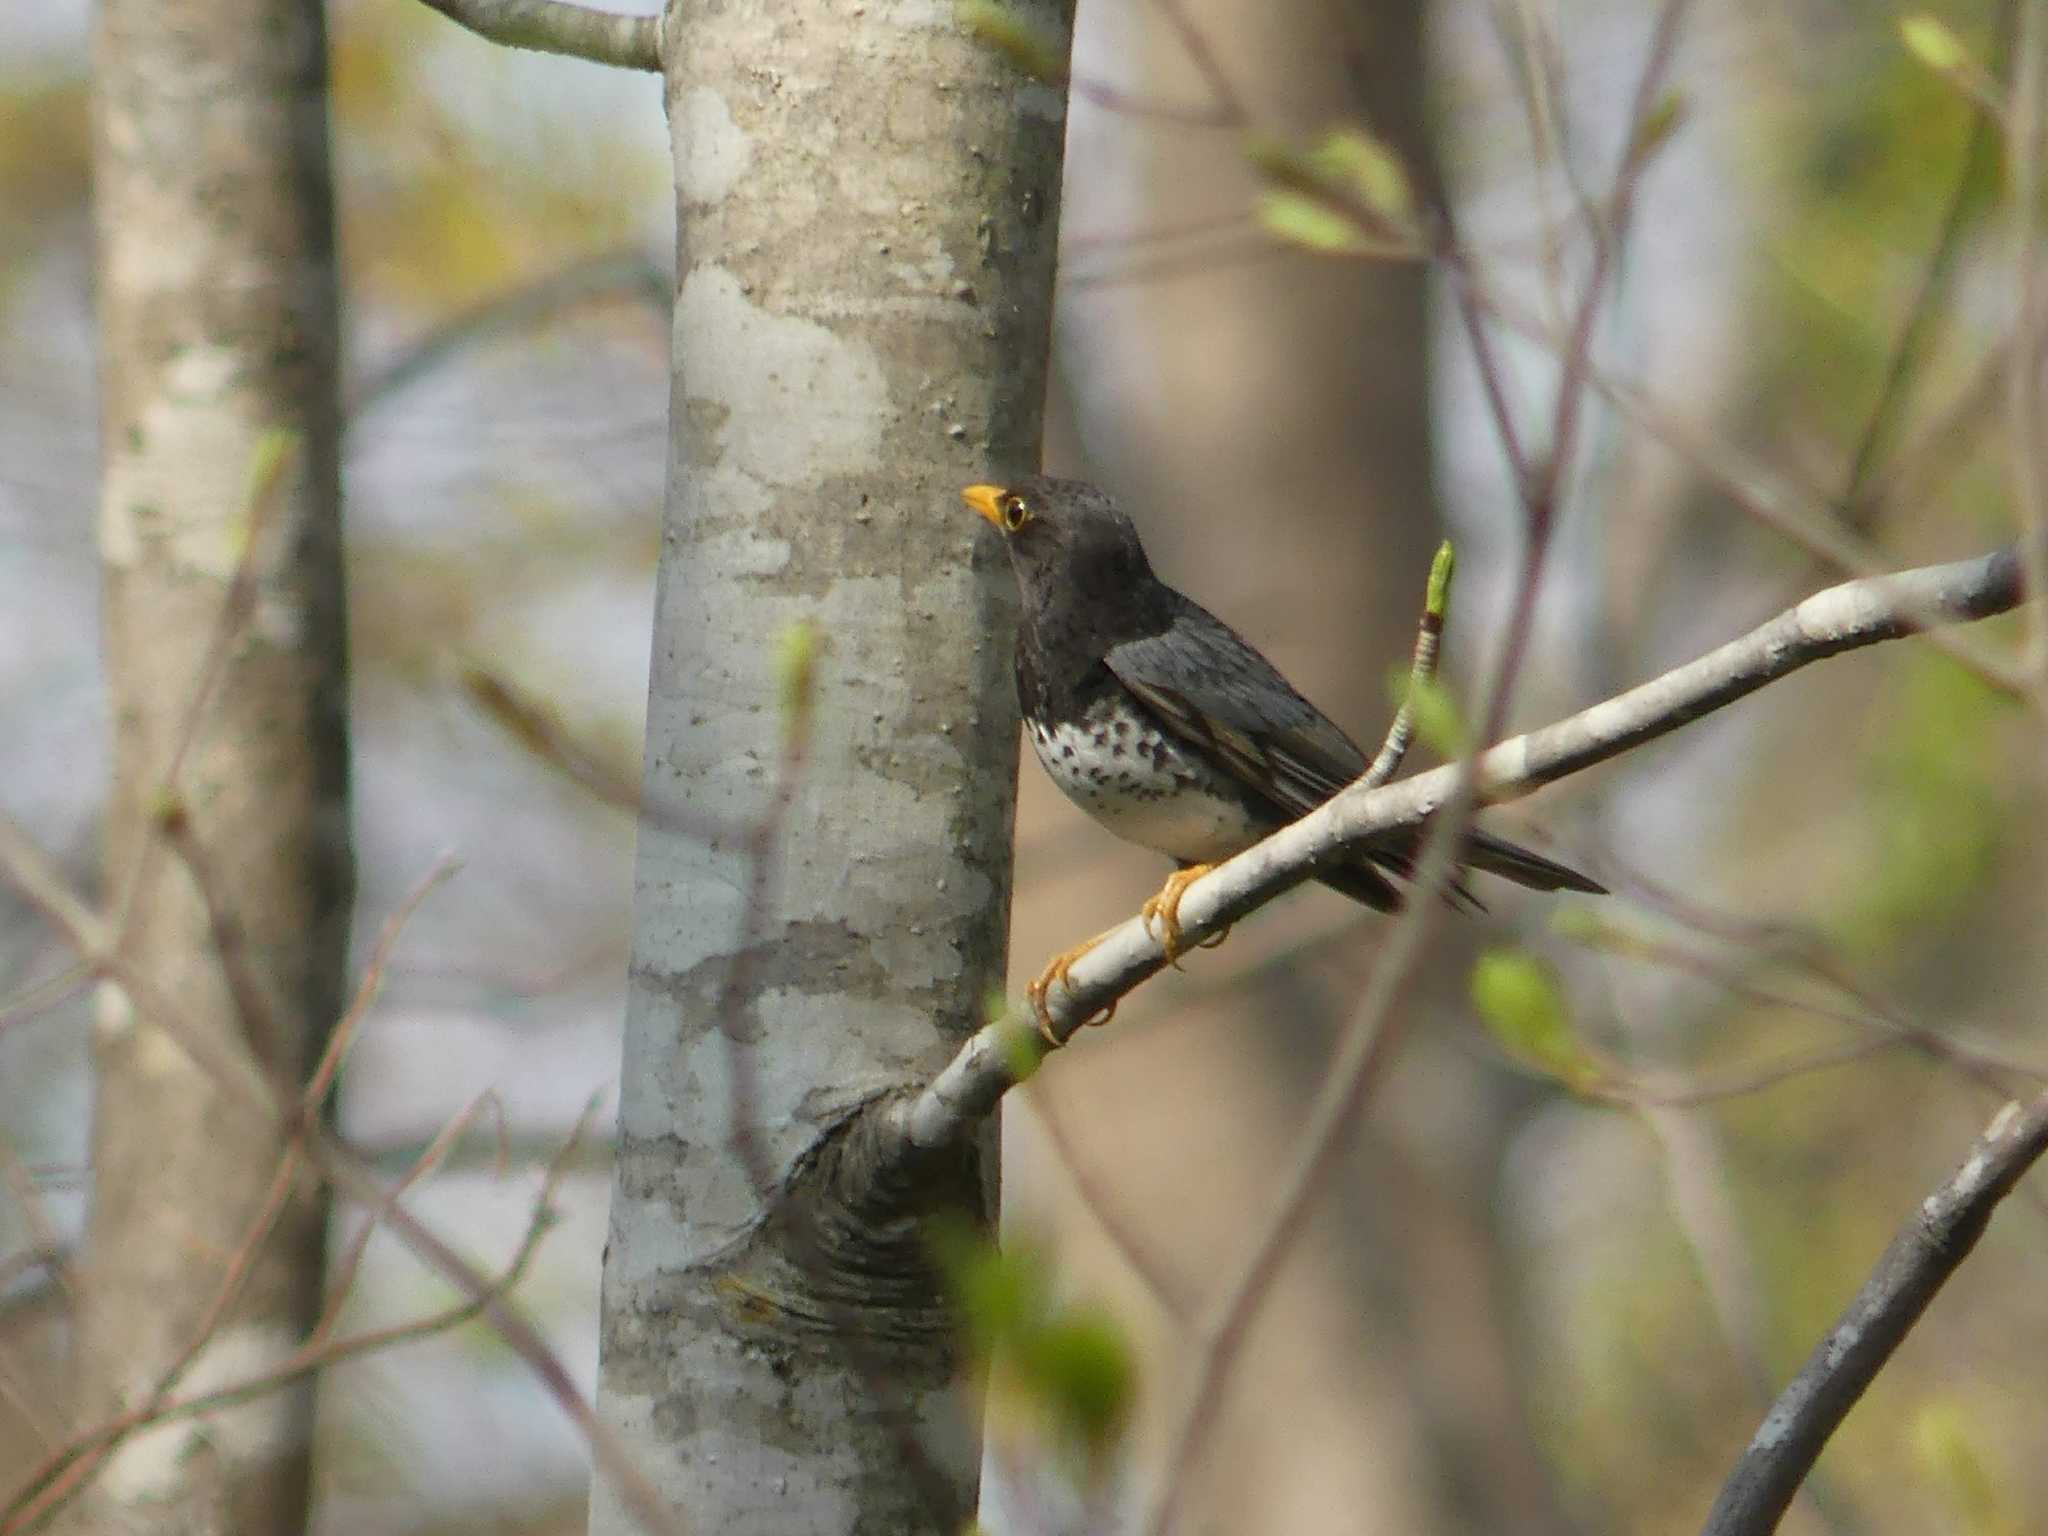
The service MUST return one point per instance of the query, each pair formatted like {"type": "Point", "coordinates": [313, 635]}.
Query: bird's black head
{"type": "Point", "coordinates": [1069, 544]}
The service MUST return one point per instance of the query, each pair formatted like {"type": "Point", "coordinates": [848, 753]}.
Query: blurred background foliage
{"type": "Point", "coordinates": [1519, 1309]}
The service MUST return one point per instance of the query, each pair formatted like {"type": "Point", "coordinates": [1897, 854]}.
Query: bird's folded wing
{"type": "Point", "coordinates": [1213, 691]}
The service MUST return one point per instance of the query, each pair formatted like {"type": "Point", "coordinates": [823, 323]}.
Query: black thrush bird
{"type": "Point", "coordinates": [1156, 718]}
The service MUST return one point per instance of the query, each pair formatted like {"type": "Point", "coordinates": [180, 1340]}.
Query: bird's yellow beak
{"type": "Point", "coordinates": [988, 501]}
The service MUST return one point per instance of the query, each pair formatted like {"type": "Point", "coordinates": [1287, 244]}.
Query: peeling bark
{"type": "Point", "coordinates": [216, 293]}
{"type": "Point", "coordinates": [867, 211]}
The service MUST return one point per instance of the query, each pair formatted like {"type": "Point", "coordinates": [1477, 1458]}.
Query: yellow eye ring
{"type": "Point", "coordinates": [1015, 514]}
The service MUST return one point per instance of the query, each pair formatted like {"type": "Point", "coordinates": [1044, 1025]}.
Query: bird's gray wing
{"type": "Point", "coordinates": [1213, 691]}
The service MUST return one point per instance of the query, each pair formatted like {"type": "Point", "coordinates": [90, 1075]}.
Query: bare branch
{"type": "Point", "coordinates": [1930, 1247]}
{"type": "Point", "coordinates": [1841, 618]}
{"type": "Point", "coordinates": [62, 1476]}
{"type": "Point", "coordinates": [1368, 1045]}
{"type": "Point", "coordinates": [1757, 490]}
{"type": "Point", "coordinates": [522, 308]}
{"type": "Point", "coordinates": [556, 26]}
{"type": "Point", "coordinates": [1229, 104]}
{"type": "Point", "coordinates": [66, 1469]}
{"type": "Point", "coordinates": [2023, 382]}
{"type": "Point", "coordinates": [1429, 637]}
{"type": "Point", "coordinates": [350, 1178]}
{"type": "Point", "coordinates": [33, 873]}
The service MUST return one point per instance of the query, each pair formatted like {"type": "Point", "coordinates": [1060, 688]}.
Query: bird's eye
{"type": "Point", "coordinates": [1015, 514]}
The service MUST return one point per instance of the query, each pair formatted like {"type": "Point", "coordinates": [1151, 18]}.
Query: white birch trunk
{"type": "Point", "coordinates": [867, 209]}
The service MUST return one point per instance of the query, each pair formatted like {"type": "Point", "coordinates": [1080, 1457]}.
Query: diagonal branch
{"type": "Point", "coordinates": [1841, 618]}
{"type": "Point", "coordinates": [556, 26]}
{"type": "Point", "coordinates": [1930, 1247]}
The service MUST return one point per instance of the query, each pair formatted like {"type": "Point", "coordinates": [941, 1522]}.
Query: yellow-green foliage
{"type": "Point", "coordinates": [1948, 1438]}
{"type": "Point", "coordinates": [43, 151]}
{"type": "Point", "coordinates": [1065, 1367]}
{"type": "Point", "coordinates": [1936, 798]}
{"type": "Point", "coordinates": [1864, 160]}
{"type": "Point", "coordinates": [1522, 1002]}
{"type": "Point", "coordinates": [434, 208]}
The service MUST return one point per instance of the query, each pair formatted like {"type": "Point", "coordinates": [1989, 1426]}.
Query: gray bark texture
{"type": "Point", "coordinates": [217, 326]}
{"type": "Point", "coordinates": [867, 214]}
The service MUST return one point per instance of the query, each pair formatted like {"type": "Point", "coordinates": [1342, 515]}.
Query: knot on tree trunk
{"type": "Point", "coordinates": [846, 1247]}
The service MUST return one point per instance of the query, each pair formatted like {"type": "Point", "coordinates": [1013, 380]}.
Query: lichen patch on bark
{"type": "Point", "coordinates": [802, 401]}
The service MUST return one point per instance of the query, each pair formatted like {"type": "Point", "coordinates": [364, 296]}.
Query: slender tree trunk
{"type": "Point", "coordinates": [867, 210]}
{"type": "Point", "coordinates": [217, 329]}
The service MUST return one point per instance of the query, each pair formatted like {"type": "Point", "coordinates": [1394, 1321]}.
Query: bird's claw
{"type": "Point", "coordinates": [1059, 971]}
{"type": "Point", "coordinates": [1165, 909]}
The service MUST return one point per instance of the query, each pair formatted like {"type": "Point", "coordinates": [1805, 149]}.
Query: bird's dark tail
{"type": "Point", "coordinates": [1496, 857]}
{"type": "Point", "coordinates": [1363, 880]}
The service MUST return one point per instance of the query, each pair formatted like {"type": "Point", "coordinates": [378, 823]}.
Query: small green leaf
{"type": "Point", "coordinates": [1577, 923]}
{"type": "Point", "coordinates": [1438, 720]}
{"type": "Point", "coordinates": [1029, 47]}
{"type": "Point", "coordinates": [1312, 224]}
{"type": "Point", "coordinates": [1946, 1446]}
{"type": "Point", "coordinates": [796, 667]}
{"type": "Point", "coordinates": [1003, 1293]}
{"type": "Point", "coordinates": [1024, 1050]}
{"type": "Point", "coordinates": [269, 463]}
{"type": "Point", "coordinates": [1522, 1003]}
{"type": "Point", "coordinates": [272, 456]}
{"type": "Point", "coordinates": [1278, 160]}
{"type": "Point", "coordinates": [1662, 121]}
{"type": "Point", "coordinates": [1352, 160]}
{"type": "Point", "coordinates": [1437, 602]}
{"type": "Point", "coordinates": [1080, 1365]}
{"type": "Point", "coordinates": [1933, 43]}
{"type": "Point", "coordinates": [166, 807]}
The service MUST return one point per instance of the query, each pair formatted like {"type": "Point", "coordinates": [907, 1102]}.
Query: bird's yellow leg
{"type": "Point", "coordinates": [1057, 971]}
{"type": "Point", "coordinates": [1165, 909]}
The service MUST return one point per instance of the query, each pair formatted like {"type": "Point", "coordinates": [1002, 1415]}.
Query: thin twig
{"type": "Point", "coordinates": [1100, 1203]}
{"type": "Point", "coordinates": [274, 460]}
{"type": "Point", "coordinates": [342, 1280]}
{"type": "Point", "coordinates": [763, 843]}
{"type": "Point", "coordinates": [556, 26]}
{"type": "Point", "coordinates": [35, 1216]}
{"type": "Point", "coordinates": [1371, 1037]}
{"type": "Point", "coordinates": [738, 990]}
{"type": "Point", "coordinates": [1992, 1069]}
{"type": "Point", "coordinates": [519, 309]}
{"type": "Point", "coordinates": [342, 1036]}
{"type": "Point", "coordinates": [2023, 381]}
{"type": "Point", "coordinates": [1932, 1244]}
{"type": "Point", "coordinates": [36, 876]}
{"type": "Point", "coordinates": [1367, 1046]}
{"type": "Point", "coordinates": [1429, 635]}
{"type": "Point", "coordinates": [1908, 351]}
{"type": "Point", "coordinates": [89, 1449]}
{"type": "Point", "coordinates": [1247, 247]}
{"type": "Point", "coordinates": [1803, 518]}
{"type": "Point", "coordinates": [1231, 221]}
{"type": "Point", "coordinates": [1542, 494]}
{"type": "Point", "coordinates": [1204, 59]}
{"type": "Point", "coordinates": [1113, 98]}
{"type": "Point", "coordinates": [1544, 107]}
{"type": "Point", "coordinates": [31, 870]}
{"type": "Point", "coordinates": [40, 996]}
{"type": "Point", "coordinates": [61, 1477]}
{"type": "Point", "coordinates": [350, 1178]}
{"type": "Point", "coordinates": [262, 1031]}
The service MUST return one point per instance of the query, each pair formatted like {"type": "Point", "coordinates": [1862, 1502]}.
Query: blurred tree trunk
{"type": "Point", "coordinates": [216, 294]}
{"type": "Point", "coordinates": [867, 210]}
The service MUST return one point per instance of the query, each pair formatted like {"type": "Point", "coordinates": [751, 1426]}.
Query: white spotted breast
{"type": "Point", "coordinates": [1144, 786]}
